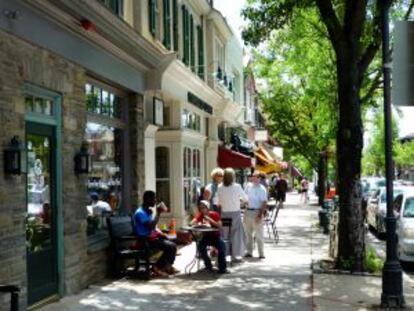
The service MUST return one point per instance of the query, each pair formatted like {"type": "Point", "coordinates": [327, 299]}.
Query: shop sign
{"type": "Point", "coordinates": [199, 103]}
{"type": "Point", "coordinates": [158, 112]}
{"type": "Point", "coordinates": [260, 135]}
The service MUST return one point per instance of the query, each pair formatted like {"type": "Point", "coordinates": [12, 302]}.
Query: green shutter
{"type": "Point", "coordinates": [152, 16]}
{"type": "Point", "coordinates": [192, 50]}
{"type": "Point", "coordinates": [167, 23]}
{"type": "Point", "coordinates": [186, 36]}
{"type": "Point", "coordinates": [175, 25]}
{"type": "Point", "coordinates": [200, 38]}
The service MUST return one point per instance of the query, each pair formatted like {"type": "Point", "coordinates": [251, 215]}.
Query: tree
{"type": "Point", "coordinates": [353, 29]}
{"type": "Point", "coordinates": [373, 162]}
{"type": "Point", "coordinates": [299, 98]}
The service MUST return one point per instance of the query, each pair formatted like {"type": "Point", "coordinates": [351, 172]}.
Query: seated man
{"type": "Point", "coordinates": [145, 227]}
{"type": "Point", "coordinates": [205, 216]}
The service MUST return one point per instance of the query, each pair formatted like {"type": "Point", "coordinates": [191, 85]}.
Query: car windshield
{"type": "Point", "coordinates": [409, 208]}
{"type": "Point", "coordinates": [384, 194]}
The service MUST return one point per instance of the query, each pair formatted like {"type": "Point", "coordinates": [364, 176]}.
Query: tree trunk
{"type": "Point", "coordinates": [322, 178]}
{"type": "Point", "coordinates": [351, 246]}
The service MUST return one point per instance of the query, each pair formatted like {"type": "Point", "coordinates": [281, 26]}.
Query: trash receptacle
{"type": "Point", "coordinates": [324, 220]}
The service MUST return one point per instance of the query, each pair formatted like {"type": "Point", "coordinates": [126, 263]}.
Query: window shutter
{"type": "Point", "coordinates": [167, 23]}
{"type": "Point", "coordinates": [175, 25]}
{"type": "Point", "coordinates": [152, 17]}
{"type": "Point", "coordinates": [186, 34]}
{"type": "Point", "coordinates": [192, 50]}
{"type": "Point", "coordinates": [200, 38]}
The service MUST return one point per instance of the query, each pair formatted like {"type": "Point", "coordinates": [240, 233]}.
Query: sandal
{"type": "Point", "coordinates": [159, 272]}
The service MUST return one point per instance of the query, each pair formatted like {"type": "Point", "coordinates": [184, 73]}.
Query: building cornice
{"type": "Point", "coordinates": [182, 75]}
{"type": "Point", "coordinates": [201, 7]}
{"type": "Point", "coordinates": [181, 135]}
{"type": "Point", "coordinates": [111, 34]}
{"type": "Point", "coordinates": [221, 23]}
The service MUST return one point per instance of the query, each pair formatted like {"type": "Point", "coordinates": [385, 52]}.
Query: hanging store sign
{"type": "Point", "coordinates": [158, 112]}
{"type": "Point", "coordinates": [403, 64]}
{"type": "Point", "coordinates": [260, 135]}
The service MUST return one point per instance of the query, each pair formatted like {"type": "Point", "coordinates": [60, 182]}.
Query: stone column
{"type": "Point", "coordinates": [150, 157]}
{"type": "Point", "coordinates": [137, 147]}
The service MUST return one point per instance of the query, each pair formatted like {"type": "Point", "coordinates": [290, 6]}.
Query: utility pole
{"type": "Point", "coordinates": [392, 286]}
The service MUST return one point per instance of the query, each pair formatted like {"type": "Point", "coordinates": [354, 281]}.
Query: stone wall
{"type": "Point", "coordinates": [22, 63]}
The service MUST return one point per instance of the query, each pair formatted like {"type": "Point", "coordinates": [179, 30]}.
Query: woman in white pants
{"type": "Point", "coordinates": [230, 194]}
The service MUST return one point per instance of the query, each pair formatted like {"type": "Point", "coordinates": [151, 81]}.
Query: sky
{"type": "Point", "coordinates": [231, 10]}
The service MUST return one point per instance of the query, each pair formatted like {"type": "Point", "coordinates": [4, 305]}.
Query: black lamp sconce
{"type": "Point", "coordinates": [83, 161]}
{"type": "Point", "coordinates": [15, 157]}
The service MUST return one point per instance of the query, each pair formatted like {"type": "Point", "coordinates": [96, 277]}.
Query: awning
{"type": "Point", "coordinates": [269, 168]}
{"type": "Point", "coordinates": [230, 158]}
{"type": "Point", "coordinates": [265, 163]}
{"type": "Point", "coordinates": [295, 172]}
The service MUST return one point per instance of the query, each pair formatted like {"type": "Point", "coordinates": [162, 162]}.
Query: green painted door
{"type": "Point", "coordinates": [41, 238]}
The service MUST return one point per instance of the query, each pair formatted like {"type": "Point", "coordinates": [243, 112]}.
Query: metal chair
{"type": "Point", "coordinates": [226, 235]}
{"type": "Point", "coordinates": [274, 227]}
{"type": "Point", "coordinates": [268, 222]}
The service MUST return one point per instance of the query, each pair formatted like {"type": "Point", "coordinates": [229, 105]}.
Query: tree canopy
{"type": "Point", "coordinates": [353, 33]}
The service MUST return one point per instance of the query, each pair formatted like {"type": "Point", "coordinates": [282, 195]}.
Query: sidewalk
{"type": "Point", "coordinates": [279, 282]}
{"type": "Point", "coordinates": [283, 281]}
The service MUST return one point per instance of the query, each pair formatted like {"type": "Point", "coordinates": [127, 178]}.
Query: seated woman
{"type": "Point", "coordinates": [210, 218]}
{"type": "Point", "coordinates": [145, 227]}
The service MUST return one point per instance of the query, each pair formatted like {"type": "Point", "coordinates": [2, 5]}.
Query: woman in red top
{"type": "Point", "coordinates": [213, 219]}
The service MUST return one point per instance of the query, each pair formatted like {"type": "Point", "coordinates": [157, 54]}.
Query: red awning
{"type": "Point", "coordinates": [230, 158]}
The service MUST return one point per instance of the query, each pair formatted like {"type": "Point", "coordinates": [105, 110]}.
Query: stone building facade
{"type": "Point", "coordinates": [46, 80]}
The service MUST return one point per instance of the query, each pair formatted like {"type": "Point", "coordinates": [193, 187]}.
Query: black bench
{"type": "Point", "coordinates": [122, 237]}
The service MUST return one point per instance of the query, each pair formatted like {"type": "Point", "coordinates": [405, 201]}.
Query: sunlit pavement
{"type": "Point", "coordinates": [282, 281]}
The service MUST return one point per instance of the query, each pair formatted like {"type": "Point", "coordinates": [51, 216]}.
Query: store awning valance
{"type": "Point", "coordinates": [266, 163]}
{"type": "Point", "coordinates": [295, 172]}
{"type": "Point", "coordinates": [230, 158]}
{"type": "Point", "coordinates": [269, 168]}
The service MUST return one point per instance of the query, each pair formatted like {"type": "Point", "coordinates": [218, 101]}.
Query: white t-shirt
{"type": "Point", "coordinates": [214, 199]}
{"type": "Point", "coordinates": [257, 194]}
{"type": "Point", "coordinates": [100, 206]}
{"type": "Point", "coordinates": [229, 197]}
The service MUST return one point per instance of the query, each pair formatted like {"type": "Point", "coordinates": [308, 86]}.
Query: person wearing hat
{"type": "Point", "coordinates": [213, 219]}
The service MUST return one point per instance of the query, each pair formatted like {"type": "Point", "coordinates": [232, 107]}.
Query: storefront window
{"type": "Point", "coordinates": [105, 142]}
{"type": "Point", "coordinates": [192, 177]}
{"type": "Point", "coordinates": [191, 120]}
{"type": "Point", "coordinates": [162, 171]}
{"type": "Point", "coordinates": [39, 105]}
{"type": "Point", "coordinates": [102, 102]}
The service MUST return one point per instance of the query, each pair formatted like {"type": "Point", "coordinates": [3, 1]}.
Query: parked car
{"type": "Point", "coordinates": [369, 185]}
{"type": "Point", "coordinates": [377, 207]}
{"type": "Point", "coordinates": [404, 211]}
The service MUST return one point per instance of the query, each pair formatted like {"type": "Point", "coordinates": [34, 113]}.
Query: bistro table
{"type": "Point", "coordinates": [197, 232]}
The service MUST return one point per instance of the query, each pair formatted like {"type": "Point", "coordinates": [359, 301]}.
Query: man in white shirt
{"type": "Point", "coordinates": [254, 215]}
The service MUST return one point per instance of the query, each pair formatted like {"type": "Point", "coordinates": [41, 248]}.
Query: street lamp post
{"type": "Point", "coordinates": [392, 287]}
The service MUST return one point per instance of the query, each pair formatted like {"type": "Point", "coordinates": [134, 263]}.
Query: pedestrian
{"type": "Point", "coordinates": [254, 215]}
{"type": "Point", "coordinates": [263, 180]}
{"type": "Point", "coordinates": [210, 191]}
{"type": "Point", "coordinates": [281, 189]}
{"type": "Point", "coordinates": [212, 219]}
{"type": "Point", "coordinates": [304, 186]}
{"type": "Point", "coordinates": [230, 195]}
{"type": "Point", "coordinates": [145, 228]}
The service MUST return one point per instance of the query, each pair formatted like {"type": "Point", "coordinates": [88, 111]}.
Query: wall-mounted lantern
{"type": "Point", "coordinates": [219, 73]}
{"type": "Point", "coordinates": [15, 157]}
{"type": "Point", "coordinates": [230, 86]}
{"type": "Point", "coordinates": [83, 161]}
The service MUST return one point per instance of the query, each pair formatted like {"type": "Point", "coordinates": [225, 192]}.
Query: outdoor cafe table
{"type": "Point", "coordinates": [197, 232]}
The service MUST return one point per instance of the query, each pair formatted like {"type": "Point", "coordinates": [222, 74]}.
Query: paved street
{"type": "Point", "coordinates": [280, 282]}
